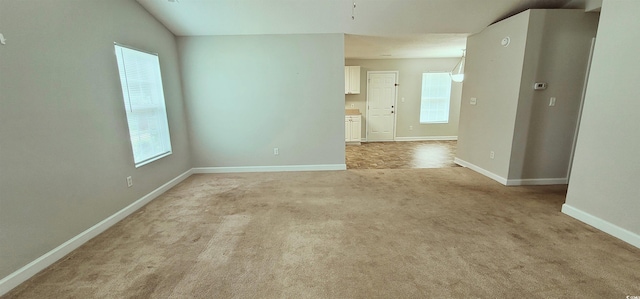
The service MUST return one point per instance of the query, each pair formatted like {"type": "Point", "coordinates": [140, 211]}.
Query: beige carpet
{"type": "Point", "coordinates": [419, 233]}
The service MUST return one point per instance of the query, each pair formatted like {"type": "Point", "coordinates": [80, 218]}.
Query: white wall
{"type": "Point", "coordinates": [604, 189]}
{"type": "Point", "coordinates": [410, 88]}
{"type": "Point", "coordinates": [532, 141]}
{"type": "Point", "coordinates": [492, 75]}
{"type": "Point", "coordinates": [249, 94]}
{"type": "Point", "coordinates": [64, 143]}
{"type": "Point", "coordinates": [557, 52]}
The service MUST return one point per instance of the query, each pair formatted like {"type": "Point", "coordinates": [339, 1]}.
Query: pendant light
{"type": "Point", "coordinates": [457, 74]}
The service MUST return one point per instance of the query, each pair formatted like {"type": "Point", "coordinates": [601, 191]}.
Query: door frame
{"type": "Point", "coordinates": [395, 102]}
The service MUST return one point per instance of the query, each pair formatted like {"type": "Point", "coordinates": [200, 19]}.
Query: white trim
{"type": "Point", "coordinates": [603, 225]}
{"type": "Point", "coordinates": [47, 259]}
{"type": "Point", "coordinates": [510, 182]}
{"type": "Point", "coordinates": [481, 170]}
{"type": "Point", "coordinates": [533, 182]}
{"type": "Point", "coordinates": [426, 138]}
{"type": "Point", "coordinates": [321, 167]}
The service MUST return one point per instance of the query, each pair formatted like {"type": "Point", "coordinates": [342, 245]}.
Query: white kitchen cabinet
{"type": "Point", "coordinates": [352, 128]}
{"type": "Point", "coordinates": [351, 80]}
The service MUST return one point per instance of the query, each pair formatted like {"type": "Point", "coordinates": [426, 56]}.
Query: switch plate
{"type": "Point", "coordinates": [552, 101]}
{"type": "Point", "coordinates": [353, 105]}
{"type": "Point", "coordinates": [410, 128]}
{"type": "Point", "coordinates": [473, 101]}
{"type": "Point", "coordinates": [276, 151]}
{"type": "Point", "coordinates": [492, 154]}
{"type": "Point", "coordinates": [129, 181]}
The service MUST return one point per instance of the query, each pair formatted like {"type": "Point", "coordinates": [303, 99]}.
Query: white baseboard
{"type": "Point", "coordinates": [533, 182]}
{"type": "Point", "coordinates": [603, 225]}
{"type": "Point", "coordinates": [510, 182]}
{"type": "Point", "coordinates": [47, 259]}
{"type": "Point", "coordinates": [481, 170]}
{"type": "Point", "coordinates": [320, 167]}
{"type": "Point", "coordinates": [426, 138]}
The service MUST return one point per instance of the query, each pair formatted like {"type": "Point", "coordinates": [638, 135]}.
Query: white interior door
{"type": "Point", "coordinates": [381, 101]}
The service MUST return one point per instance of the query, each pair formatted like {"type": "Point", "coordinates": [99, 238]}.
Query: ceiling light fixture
{"type": "Point", "coordinates": [457, 74]}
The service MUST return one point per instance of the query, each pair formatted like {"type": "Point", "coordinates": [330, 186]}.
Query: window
{"type": "Point", "coordinates": [144, 103]}
{"type": "Point", "coordinates": [436, 95]}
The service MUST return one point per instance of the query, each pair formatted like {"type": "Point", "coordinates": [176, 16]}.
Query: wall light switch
{"type": "Point", "coordinates": [473, 101]}
{"type": "Point", "coordinates": [552, 101]}
{"type": "Point", "coordinates": [353, 105]}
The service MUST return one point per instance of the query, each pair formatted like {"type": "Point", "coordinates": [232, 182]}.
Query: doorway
{"type": "Point", "coordinates": [382, 91]}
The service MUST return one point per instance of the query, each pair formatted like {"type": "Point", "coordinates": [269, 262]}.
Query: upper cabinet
{"type": "Point", "coordinates": [351, 80]}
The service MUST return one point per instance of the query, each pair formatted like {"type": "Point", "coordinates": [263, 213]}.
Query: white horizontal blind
{"type": "Point", "coordinates": [144, 102]}
{"type": "Point", "coordinates": [436, 96]}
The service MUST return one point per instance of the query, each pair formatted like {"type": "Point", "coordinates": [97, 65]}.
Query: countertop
{"type": "Point", "coordinates": [351, 112]}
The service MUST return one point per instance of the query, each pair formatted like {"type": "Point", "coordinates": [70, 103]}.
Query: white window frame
{"type": "Point", "coordinates": [435, 100]}
{"type": "Point", "coordinates": [144, 103]}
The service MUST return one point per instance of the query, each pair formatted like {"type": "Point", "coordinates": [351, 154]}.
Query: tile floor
{"type": "Point", "coordinates": [401, 155]}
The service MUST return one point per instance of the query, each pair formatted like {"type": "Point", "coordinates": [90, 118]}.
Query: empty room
{"type": "Point", "coordinates": [196, 149]}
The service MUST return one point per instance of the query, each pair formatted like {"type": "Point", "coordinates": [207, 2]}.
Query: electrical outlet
{"type": "Point", "coordinates": [473, 101]}
{"type": "Point", "coordinates": [276, 151]}
{"type": "Point", "coordinates": [492, 154]}
{"type": "Point", "coordinates": [129, 181]}
{"type": "Point", "coordinates": [410, 128]}
{"type": "Point", "coordinates": [353, 105]}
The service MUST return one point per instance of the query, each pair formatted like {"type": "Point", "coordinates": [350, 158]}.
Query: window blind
{"type": "Point", "coordinates": [436, 96]}
{"type": "Point", "coordinates": [144, 103]}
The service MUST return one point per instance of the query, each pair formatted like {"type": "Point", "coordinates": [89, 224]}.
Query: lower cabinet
{"type": "Point", "coordinates": [352, 128]}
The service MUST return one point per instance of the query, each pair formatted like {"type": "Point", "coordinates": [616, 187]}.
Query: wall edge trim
{"type": "Point", "coordinates": [29, 270]}
{"type": "Point", "coordinates": [279, 168]}
{"type": "Point", "coordinates": [426, 138]}
{"type": "Point", "coordinates": [537, 182]}
{"type": "Point", "coordinates": [603, 225]}
{"type": "Point", "coordinates": [481, 170]}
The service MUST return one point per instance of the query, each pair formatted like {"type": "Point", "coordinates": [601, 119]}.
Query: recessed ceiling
{"type": "Point", "coordinates": [400, 28]}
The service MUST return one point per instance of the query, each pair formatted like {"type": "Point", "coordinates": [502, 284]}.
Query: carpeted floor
{"type": "Point", "coordinates": [416, 233]}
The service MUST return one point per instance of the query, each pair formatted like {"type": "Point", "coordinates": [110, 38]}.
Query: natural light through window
{"type": "Point", "coordinates": [144, 102]}
{"type": "Point", "coordinates": [436, 96]}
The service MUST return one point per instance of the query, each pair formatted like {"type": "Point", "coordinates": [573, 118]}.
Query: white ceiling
{"type": "Point", "coordinates": [378, 29]}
